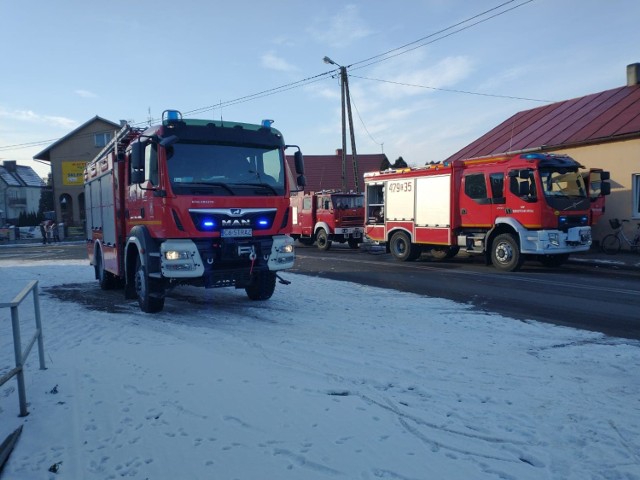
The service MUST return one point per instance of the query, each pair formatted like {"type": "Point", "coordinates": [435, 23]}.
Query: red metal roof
{"type": "Point", "coordinates": [596, 118]}
{"type": "Point", "coordinates": [324, 172]}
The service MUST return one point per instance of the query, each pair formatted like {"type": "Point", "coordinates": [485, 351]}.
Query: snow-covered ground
{"type": "Point", "coordinates": [327, 380]}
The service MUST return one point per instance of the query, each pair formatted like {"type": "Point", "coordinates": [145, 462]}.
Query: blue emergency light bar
{"type": "Point", "coordinates": [169, 116]}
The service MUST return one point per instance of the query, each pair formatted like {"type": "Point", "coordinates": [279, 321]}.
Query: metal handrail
{"type": "Point", "coordinates": [20, 354]}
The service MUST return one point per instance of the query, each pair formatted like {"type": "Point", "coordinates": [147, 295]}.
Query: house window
{"type": "Point", "coordinates": [635, 213]}
{"type": "Point", "coordinates": [101, 139]}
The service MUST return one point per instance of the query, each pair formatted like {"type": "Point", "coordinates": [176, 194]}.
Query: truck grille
{"type": "Point", "coordinates": [214, 221]}
{"type": "Point", "coordinates": [565, 222]}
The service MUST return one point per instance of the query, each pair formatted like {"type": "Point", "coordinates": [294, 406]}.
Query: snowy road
{"type": "Point", "coordinates": [326, 380]}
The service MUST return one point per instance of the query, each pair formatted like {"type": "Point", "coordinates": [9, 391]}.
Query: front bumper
{"type": "Point", "coordinates": [549, 242]}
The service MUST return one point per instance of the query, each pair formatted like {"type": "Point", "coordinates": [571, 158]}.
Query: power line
{"type": "Point", "coordinates": [439, 38]}
{"type": "Point", "coordinates": [437, 33]}
{"type": "Point", "coordinates": [453, 90]}
{"type": "Point", "coordinates": [363, 125]}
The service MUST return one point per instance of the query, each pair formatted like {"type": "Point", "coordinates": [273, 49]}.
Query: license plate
{"type": "Point", "coordinates": [237, 232]}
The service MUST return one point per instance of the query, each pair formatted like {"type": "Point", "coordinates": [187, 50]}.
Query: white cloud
{"type": "Point", "coordinates": [444, 74]}
{"type": "Point", "coordinates": [342, 29]}
{"type": "Point", "coordinates": [271, 61]}
{"type": "Point", "coordinates": [85, 93]}
{"type": "Point", "coordinates": [32, 117]}
{"type": "Point", "coordinates": [329, 91]}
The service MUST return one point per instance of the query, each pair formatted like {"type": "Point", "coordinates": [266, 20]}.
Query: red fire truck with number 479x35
{"type": "Point", "coordinates": [507, 208]}
{"type": "Point", "coordinates": [198, 202]}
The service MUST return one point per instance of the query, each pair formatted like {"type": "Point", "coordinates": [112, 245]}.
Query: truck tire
{"type": "Point", "coordinates": [443, 253]}
{"type": "Point", "coordinates": [402, 249]}
{"type": "Point", "coordinates": [262, 286]}
{"type": "Point", "coordinates": [505, 253]}
{"type": "Point", "coordinates": [322, 240]}
{"type": "Point", "coordinates": [106, 279]}
{"type": "Point", "coordinates": [148, 290]}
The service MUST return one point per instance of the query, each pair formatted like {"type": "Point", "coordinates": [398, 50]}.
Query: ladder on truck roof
{"type": "Point", "coordinates": [120, 141]}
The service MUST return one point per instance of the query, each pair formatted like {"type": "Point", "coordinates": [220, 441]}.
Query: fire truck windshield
{"type": "Point", "coordinates": [564, 189]}
{"type": "Point", "coordinates": [225, 169]}
{"type": "Point", "coordinates": [347, 201]}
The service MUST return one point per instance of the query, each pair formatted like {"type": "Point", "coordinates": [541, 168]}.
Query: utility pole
{"type": "Point", "coordinates": [346, 112]}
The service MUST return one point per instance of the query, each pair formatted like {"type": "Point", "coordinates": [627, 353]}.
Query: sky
{"type": "Point", "coordinates": [313, 384]}
{"type": "Point", "coordinates": [426, 77]}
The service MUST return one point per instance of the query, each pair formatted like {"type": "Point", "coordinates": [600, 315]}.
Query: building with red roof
{"type": "Point", "coordinates": [325, 172]}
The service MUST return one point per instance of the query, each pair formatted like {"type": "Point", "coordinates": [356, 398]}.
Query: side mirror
{"type": "Point", "coordinates": [301, 181]}
{"type": "Point", "coordinates": [137, 177]}
{"type": "Point", "coordinates": [605, 175]}
{"type": "Point", "coordinates": [605, 188]}
{"type": "Point", "coordinates": [299, 162]}
{"type": "Point", "coordinates": [137, 156]}
{"type": "Point", "coordinates": [168, 141]}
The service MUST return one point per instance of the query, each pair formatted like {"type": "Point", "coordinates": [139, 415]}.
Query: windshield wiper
{"type": "Point", "coordinates": [210, 184]}
{"type": "Point", "coordinates": [262, 185]}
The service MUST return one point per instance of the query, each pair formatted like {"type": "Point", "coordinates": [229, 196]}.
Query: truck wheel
{"type": "Point", "coordinates": [322, 240]}
{"type": "Point", "coordinates": [150, 294]}
{"type": "Point", "coordinates": [106, 279]}
{"type": "Point", "coordinates": [402, 249]}
{"type": "Point", "coordinates": [262, 286]}
{"type": "Point", "coordinates": [443, 253]}
{"type": "Point", "coordinates": [505, 253]}
{"type": "Point", "coordinates": [353, 243]}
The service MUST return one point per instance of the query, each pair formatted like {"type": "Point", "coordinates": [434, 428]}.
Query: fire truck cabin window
{"type": "Point", "coordinates": [475, 186]}
{"type": "Point", "coordinates": [234, 169]}
{"type": "Point", "coordinates": [497, 187]}
{"type": "Point", "coordinates": [151, 163]}
{"type": "Point", "coordinates": [562, 183]}
{"type": "Point", "coordinates": [522, 184]}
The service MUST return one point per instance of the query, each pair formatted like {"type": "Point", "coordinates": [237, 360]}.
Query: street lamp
{"type": "Point", "coordinates": [346, 100]}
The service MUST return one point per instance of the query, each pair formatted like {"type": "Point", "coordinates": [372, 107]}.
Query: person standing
{"type": "Point", "coordinates": [43, 232]}
{"type": "Point", "coordinates": [55, 232]}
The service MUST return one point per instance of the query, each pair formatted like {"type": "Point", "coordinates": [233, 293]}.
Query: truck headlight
{"type": "Point", "coordinates": [286, 249]}
{"type": "Point", "coordinates": [176, 255]}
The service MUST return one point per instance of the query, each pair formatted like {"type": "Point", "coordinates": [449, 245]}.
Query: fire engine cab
{"type": "Point", "coordinates": [505, 207]}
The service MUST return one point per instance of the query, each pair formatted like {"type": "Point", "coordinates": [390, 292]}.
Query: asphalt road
{"type": "Point", "coordinates": [582, 296]}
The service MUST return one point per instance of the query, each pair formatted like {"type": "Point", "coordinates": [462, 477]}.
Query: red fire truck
{"type": "Point", "coordinates": [197, 202]}
{"type": "Point", "coordinates": [328, 216]}
{"type": "Point", "coordinates": [505, 207]}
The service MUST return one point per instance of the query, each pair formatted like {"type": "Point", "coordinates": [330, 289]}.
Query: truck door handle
{"type": "Point", "coordinates": [463, 211]}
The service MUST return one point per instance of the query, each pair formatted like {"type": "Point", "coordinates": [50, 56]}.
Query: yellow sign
{"type": "Point", "coordinates": [73, 173]}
